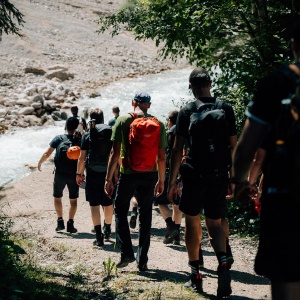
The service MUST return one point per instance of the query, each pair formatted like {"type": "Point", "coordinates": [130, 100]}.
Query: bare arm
{"type": "Point", "coordinates": [250, 139]}
{"type": "Point", "coordinates": [81, 167]}
{"type": "Point", "coordinates": [44, 157]}
{"type": "Point", "coordinates": [161, 163]}
{"type": "Point", "coordinates": [176, 157]}
{"type": "Point", "coordinates": [111, 168]}
{"type": "Point", "coordinates": [257, 165]}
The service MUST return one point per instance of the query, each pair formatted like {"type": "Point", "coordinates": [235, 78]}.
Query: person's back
{"type": "Point", "coordinates": [141, 183]}
{"type": "Point", "coordinates": [95, 150]}
{"type": "Point", "coordinates": [203, 188]}
{"type": "Point", "coordinates": [280, 205]}
{"type": "Point", "coordinates": [65, 174]}
{"type": "Point", "coordinates": [82, 126]}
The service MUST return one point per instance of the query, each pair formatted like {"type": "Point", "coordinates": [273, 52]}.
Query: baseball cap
{"type": "Point", "coordinates": [199, 74]}
{"type": "Point", "coordinates": [142, 97]}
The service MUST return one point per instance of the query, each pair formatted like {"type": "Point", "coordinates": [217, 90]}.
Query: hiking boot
{"type": "Point", "coordinates": [70, 227]}
{"type": "Point", "coordinates": [176, 239]}
{"type": "Point", "coordinates": [106, 231]}
{"type": "Point", "coordinates": [143, 267]}
{"type": "Point", "coordinates": [99, 241]}
{"type": "Point", "coordinates": [229, 257]}
{"type": "Point", "coordinates": [124, 261]}
{"type": "Point", "coordinates": [132, 222]}
{"type": "Point", "coordinates": [170, 234]}
{"type": "Point", "coordinates": [224, 280]}
{"type": "Point", "coordinates": [201, 261]}
{"type": "Point", "coordinates": [60, 225]}
{"type": "Point", "coordinates": [195, 283]}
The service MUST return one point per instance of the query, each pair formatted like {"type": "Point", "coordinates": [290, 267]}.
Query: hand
{"type": "Point", "coordinates": [230, 189]}
{"type": "Point", "coordinates": [109, 188]}
{"type": "Point", "coordinates": [242, 191]}
{"type": "Point", "coordinates": [80, 179]}
{"type": "Point", "coordinates": [172, 193]}
{"type": "Point", "coordinates": [159, 188]}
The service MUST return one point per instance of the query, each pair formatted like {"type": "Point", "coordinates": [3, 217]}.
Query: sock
{"type": "Point", "coordinates": [60, 218]}
{"type": "Point", "coordinates": [177, 226]}
{"type": "Point", "coordinates": [221, 256]}
{"type": "Point", "coordinates": [106, 225]}
{"type": "Point", "coordinates": [169, 221]}
{"type": "Point", "coordinates": [194, 266]}
{"type": "Point", "coordinates": [71, 221]}
{"type": "Point", "coordinates": [98, 229]}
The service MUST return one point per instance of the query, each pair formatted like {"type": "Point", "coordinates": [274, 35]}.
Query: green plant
{"type": "Point", "coordinates": [110, 269]}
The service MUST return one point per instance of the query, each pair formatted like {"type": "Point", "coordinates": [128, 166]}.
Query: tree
{"type": "Point", "coordinates": [244, 39]}
{"type": "Point", "coordinates": [8, 12]}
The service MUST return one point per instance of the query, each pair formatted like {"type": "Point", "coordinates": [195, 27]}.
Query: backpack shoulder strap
{"type": "Point", "coordinates": [219, 103]}
{"type": "Point", "coordinates": [191, 107]}
{"type": "Point", "coordinates": [133, 115]}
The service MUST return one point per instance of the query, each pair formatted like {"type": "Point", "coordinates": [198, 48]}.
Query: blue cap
{"type": "Point", "coordinates": [142, 97]}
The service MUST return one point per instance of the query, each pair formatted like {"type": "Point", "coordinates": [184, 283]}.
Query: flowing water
{"type": "Point", "coordinates": [24, 147]}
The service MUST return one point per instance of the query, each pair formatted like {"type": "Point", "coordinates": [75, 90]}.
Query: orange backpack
{"type": "Point", "coordinates": [144, 135]}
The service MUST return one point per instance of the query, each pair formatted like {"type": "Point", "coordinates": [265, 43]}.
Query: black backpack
{"type": "Point", "coordinates": [99, 147]}
{"type": "Point", "coordinates": [209, 146]}
{"type": "Point", "coordinates": [62, 163]}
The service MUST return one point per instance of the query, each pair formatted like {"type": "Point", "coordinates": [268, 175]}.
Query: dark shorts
{"type": "Point", "coordinates": [278, 254]}
{"type": "Point", "coordinates": [94, 189]}
{"type": "Point", "coordinates": [208, 195]}
{"type": "Point", "coordinates": [61, 180]}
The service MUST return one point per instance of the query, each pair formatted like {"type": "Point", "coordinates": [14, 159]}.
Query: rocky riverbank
{"type": "Point", "coordinates": [60, 59]}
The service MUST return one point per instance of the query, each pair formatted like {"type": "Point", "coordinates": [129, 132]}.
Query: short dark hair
{"type": "Point", "coordinates": [97, 115]}
{"type": "Point", "coordinates": [199, 77]}
{"type": "Point", "coordinates": [72, 123]}
{"type": "Point", "coordinates": [173, 116]}
{"type": "Point", "coordinates": [74, 108]}
{"type": "Point", "coordinates": [116, 109]}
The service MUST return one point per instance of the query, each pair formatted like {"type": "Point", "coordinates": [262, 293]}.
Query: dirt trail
{"type": "Point", "coordinates": [29, 203]}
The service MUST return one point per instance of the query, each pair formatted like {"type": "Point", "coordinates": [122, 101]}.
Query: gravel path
{"type": "Point", "coordinates": [29, 203]}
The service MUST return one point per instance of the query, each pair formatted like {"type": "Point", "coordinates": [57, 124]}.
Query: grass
{"type": "Point", "coordinates": [27, 271]}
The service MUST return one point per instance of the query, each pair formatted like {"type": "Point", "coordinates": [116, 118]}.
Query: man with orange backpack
{"type": "Point", "coordinates": [139, 139]}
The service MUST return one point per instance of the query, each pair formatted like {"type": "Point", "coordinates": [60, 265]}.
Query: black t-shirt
{"type": "Point", "coordinates": [183, 119]}
{"type": "Point", "coordinates": [265, 108]}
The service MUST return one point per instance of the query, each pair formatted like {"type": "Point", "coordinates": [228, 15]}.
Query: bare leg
{"type": "Point", "coordinates": [73, 208]}
{"type": "Point", "coordinates": [193, 232]}
{"type": "Point", "coordinates": [58, 207]}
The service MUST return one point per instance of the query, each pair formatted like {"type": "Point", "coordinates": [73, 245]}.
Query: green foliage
{"type": "Point", "coordinates": [10, 18]}
{"type": "Point", "coordinates": [110, 269]}
{"type": "Point", "coordinates": [242, 39]}
{"type": "Point", "coordinates": [243, 218]}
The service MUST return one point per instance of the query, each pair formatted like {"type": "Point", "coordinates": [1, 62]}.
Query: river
{"type": "Point", "coordinates": [24, 147]}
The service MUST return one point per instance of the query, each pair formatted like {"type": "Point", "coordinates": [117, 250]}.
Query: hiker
{"type": "Point", "coordinates": [142, 172]}
{"type": "Point", "coordinates": [93, 158]}
{"type": "Point", "coordinates": [172, 216]}
{"type": "Point", "coordinates": [116, 112]}
{"type": "Point", "coordinates": [204, 174]}
{"type": "Point", "coordinates": [82, 126]}
{"type": "Point", "coordinates": [277, 257]}
{"type": "Point", "coordinates": [65, 174]}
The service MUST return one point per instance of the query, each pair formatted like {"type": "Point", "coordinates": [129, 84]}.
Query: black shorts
{"type": "Point", "coordinates": [208, 195]}
{"type": "Point", "coordinates": [163, 198]}
{"type": "Point", "coordinates": [278, 254]}
{"type": "Point", "coordinates": [61, 180]}
{"type": "Point", "coordinates": [94, 189]}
